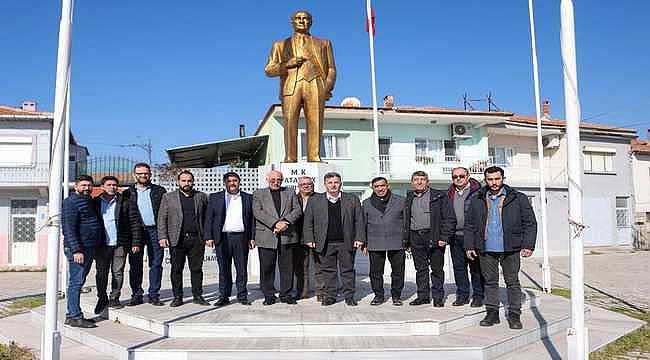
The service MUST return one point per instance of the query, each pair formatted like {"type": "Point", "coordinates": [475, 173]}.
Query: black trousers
{"type": "Point", "coordinates": [337, 257]}
{"type": "Point", "coordinates": [510, 263]}
{"type": "Point", "coordinates": [232, 246]}
{"type": "Point", "coordinates": [302, 256]}
{"type": "Point", "coordinates": [283, 257]}
{"type": "Point", "coordinates": [461, 263]}
{"type": "Point", "coordinates": [425, 257]}
{"type": "Point", "coordinates": [113, 259]}
{"type": "Point", "coordinates": [192, 247]}
{"type": "Point", "coordinates": [377, 262]}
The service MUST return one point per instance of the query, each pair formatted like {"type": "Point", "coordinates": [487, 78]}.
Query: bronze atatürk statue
{"type": "Point", "coordinates": [305, 65]}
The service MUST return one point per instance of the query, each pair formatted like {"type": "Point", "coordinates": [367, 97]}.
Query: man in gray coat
{"type": "Point", "coordinates": [333, 226]}
{"type": "Point", "coordinates": [276, 210]}
{"type": "Point", "coordinates": [180, 227]}
{"type": "Point", "coordinates": [384, 235]}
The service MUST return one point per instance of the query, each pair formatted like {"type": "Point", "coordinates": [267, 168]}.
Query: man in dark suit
{"type": "Point", "coordinates": [303, 254]}
{"type": "Point", "coordinates": [145, 198]}
{"type": "Point", "coordinates": [81, 234]}
{"type": "Point", "coordinates": [120, 224]}
{"type": "Point", "coordinates": [384, 236]}
{"type": "Point", "coordinates": [229, 228]}
{"type": "Point", "coordinates": [430, 222]}
{"type": "Point", "coordinates": [333, 226]}
{"type": "Point", "coordinates": [276, 210]}
{"type": "Point", "coordinates": [180, 227]}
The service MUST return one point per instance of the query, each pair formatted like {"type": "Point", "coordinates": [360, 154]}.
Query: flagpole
{"type": "Point", "coordinates": [546, 267]}
{"type": "Point", "coordinates": [63, 278]}
{"type": "Point", "coordinates": [577, 334]}
{"type": "Point", "coordinates": [375, 117]}
{"type": "Point", "coordinates": [51, 345]}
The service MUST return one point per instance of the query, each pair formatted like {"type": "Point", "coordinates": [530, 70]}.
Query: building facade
{"type": "Point", "coordinates": [25, 147]}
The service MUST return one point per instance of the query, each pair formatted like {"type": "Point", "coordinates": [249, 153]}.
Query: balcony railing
{"type": "Point", "coordinates": [35, 174]}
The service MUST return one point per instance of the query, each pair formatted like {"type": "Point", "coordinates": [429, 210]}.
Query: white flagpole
{"type": "Point", "coordinates": [51, 346]}
{"type": "Point", "coordinates": [375, 117]}
{"type": "Point", "coordinates": [577, 334]}
{"type": "Point", "coordinates": [63, 278]}
{"type": "Point", "coordinates": [546, 267]}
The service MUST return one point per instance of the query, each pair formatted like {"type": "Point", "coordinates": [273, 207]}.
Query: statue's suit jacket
{"type": "Point", "coordinates": [322, 58]}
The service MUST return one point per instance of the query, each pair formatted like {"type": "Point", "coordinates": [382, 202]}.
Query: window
{"type": "Point", "coordinates": [599, 162]}
{"type": "Point", "coordinates": [450, 150]}
{"type": "Point", "coordinates": [16, 151]}
{"type": "Point", "coordinates": [384, 155]}
{"type": "Point", "coordinates": [427, 150]}
{"type": "Point", "coordinates": [622, 212]}
{"type": "Point", "coordinates": [332, 146]}
{"type": "Point", "coordinates": [501, 156]}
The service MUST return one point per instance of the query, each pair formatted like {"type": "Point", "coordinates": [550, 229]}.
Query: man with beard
{"type": "Point", "coordinates": [333, 227]}
{"type": "Point", "coordinates": [276, 210]}
{"type": "Point", "coordinates": [229, 228]}
{"type": "Point", "coordinates": [81, 234]}
{"type": "Point", "coordinates": [500, 227]}
{"type": "Point", "coordinates": [180, 227]}
{"type": "Point", "coordinates": [430, 223]}
{"type": "Point", "coordinates": [384, 235]}
{"type": "Point", "coordinates": [120, 226]}
{"type": "Point", "coordinates": [144, 198]}
{"type": "Point", "coordinates": [461, 192]}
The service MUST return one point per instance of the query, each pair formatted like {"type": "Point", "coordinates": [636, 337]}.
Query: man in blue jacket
{"type": "Point", "coordinates": [82, 232]}
{"type": "Point", "coordinates": [500, 227]}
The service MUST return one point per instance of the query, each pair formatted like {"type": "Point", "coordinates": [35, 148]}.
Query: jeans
{"type": "Point", "coordinates": [76, 278]}
{"type": "Point", "coordinates": [155, 256]}
{"type": "Point", "coordinates": [110, 258]}
{"type": "Point", "coordinates": [461, 263]}
{"type": "Point", "coordinates": [510, 263]}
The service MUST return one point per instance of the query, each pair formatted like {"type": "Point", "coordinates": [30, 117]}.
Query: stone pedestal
{"type": "Point", "coordinates": [293, 171]}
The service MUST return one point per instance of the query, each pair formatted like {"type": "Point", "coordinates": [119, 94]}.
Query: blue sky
{"type": "Point", "coordinates": [187, 72]}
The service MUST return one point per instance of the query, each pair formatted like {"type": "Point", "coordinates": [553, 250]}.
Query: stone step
{"type": "Point", "coordinates": [124, 342]}
{"type": "Point", "coordinates": [307, 319]}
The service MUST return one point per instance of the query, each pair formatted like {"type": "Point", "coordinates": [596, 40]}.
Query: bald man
{"type": "Point", "coordinates": [276, 210]}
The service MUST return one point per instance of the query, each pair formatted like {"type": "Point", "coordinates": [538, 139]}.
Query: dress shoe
{"type": "Point", "coordinates": [377, 301]}
{"type": "Point", "coordinates": [476, 302]}
{"type": "Point", "coordinates": [155, 301]}
{"type": "Point", "coordinates": [460, 301]}
{"type": "Point", "coordinates": [222, 301]}
{"type": "Point", "coordinates": [328, 301]}
{"type": "Point", "coordinates": [270, 300]}
{"type": "Point", "coordinates": [80, 323]}
{"type": "Point", "coordinates": [397, 302]}
{"type": "Point", "coordinates": [244, 301]}
{"type": "Point", "coordinates": [288, 300]}
{"type": "Point", "coordinates": [102, 303]}
{"type": "Point", "coordinates": [514, 321]}
{"type": "Point", "coordinates": [438, 303]}
{"type": "Point", "coordinates": [178, 301]}
{"type": "Point", "coordinates": [135, 300]}
{"type": "Point", "coordinates": [115, 304]}
{"type": "Point", "coordinates": [351, 302]}
{"type": "Point", "coordinates": [419, 301]}
{"type": "Point", "coordinates": [89, 320]}
{"type": "Point", "coordinates": [491, 318]}
{"type": "Point", "coordinates": [199, 300]}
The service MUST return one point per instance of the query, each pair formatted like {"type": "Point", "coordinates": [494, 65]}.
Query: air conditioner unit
{"type": "Point", "coordinates": [460, 131]}
{"type": "Point", "coordinates": [551, 141]}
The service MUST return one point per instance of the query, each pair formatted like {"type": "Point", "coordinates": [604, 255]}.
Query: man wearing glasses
{"type": "Point", "coordinates": [461, 192]}
{"type": "Point", "coordinates": [302, 253]}
{"type": "Point", "coordinates": [145, 198]}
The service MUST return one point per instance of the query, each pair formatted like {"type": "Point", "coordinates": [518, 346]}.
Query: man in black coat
{"type": "Point", "coordinates": [145, 198]}
{"type": "Point", "coordinates": [120, 225]}
{"type": "Point", "coordinates": [229, 228]}
{"type": "Point", "coordinates": [430, 222]}
{"type": "Point", "coordinates": [500, 227]}
{"type": "Point", "coordinates": [384, 236]}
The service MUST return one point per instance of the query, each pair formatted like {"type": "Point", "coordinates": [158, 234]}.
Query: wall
{"type": "Point", "coordinates": [641, 173]}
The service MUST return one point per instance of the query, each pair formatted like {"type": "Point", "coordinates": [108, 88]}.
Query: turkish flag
{"type": "Point", "coordinates": [372, 17]}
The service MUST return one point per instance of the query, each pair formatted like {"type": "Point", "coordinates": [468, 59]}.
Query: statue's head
{"type": "Point", "coordinates": [301, 21]}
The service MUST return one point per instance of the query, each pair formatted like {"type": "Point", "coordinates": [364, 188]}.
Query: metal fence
{"type": "Point", "coordinates": [100, 166]}
{"type": "Point", "coordinates": [207, 180]}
